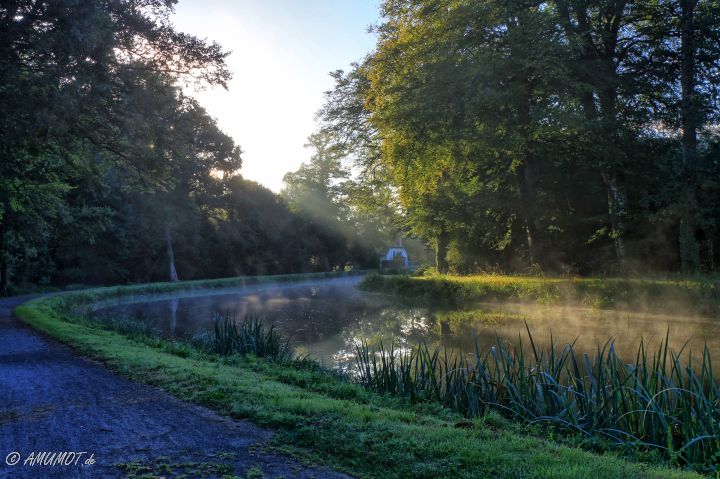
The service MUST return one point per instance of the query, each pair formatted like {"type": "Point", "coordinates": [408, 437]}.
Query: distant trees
{"type": "Point", "coordinates": [317, 188]}
{"type": "Point", "coordinates": [561, 134]}
{"type": "Point", "coordinates": [321, 192]}
{"type": "Point", "coordinates": [109, 173]}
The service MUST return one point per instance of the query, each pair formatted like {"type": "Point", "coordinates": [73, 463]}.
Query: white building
{"type": "Point", "coordinates": [395, 253]}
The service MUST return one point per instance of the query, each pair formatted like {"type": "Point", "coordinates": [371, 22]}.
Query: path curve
{"type": "Point", "coordinates": [53, 400]}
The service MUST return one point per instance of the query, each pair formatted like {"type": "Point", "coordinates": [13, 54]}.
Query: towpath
{"type": "Point", "coordinates": [52, 400]}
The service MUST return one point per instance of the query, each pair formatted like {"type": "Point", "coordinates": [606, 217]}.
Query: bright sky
{"type": "Point", "coordinates": [282, 52]}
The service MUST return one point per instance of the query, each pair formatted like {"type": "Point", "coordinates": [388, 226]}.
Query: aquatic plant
{"type": "Point", "coordinates": [659, 402]}
{"type": "Point", "coordinates": [134, 327]}
{"type": "Point", "coordinates": [249, 336]}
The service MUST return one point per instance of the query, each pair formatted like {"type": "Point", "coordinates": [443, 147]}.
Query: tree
{"type": "Point", "coordinates": [450, 80]}
{"type": "Point", "coordinates": [66, 70]}
{"type": "Point", "coordinates": [317, 187]}
{"type": "Point", "coordinates": [491, 112]}
{"type": "Point", "coordinates": [685, 57]}
{"type": "Point", "coordinates": [372, 206]}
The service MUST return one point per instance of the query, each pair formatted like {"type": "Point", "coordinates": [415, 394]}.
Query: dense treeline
{"type": "Point", "coordinates": [562, 136]}
{"type": "Point", "coordinates": [110, 173]}
{"type": "Point", "coordinates": [567, 135]}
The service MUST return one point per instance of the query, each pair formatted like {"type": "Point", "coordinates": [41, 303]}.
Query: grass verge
{"type": "Point", "coordinates": [698, 296]}
{"type": "Point", "coordinates": [326, 420]}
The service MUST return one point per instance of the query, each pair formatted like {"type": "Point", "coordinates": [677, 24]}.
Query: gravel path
{"type": "Point", "coordinates": [54, 400]}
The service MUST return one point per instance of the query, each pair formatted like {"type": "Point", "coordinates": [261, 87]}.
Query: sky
{"type": "Point", "coordinates": [282, 53]}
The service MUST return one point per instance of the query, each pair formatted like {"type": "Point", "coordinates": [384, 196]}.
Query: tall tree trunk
{"type": "Point", "coordinates": [602, 81]}
{"type": "Point", "coordinates": [711, 254]}
{"type": "Point", "coordinates": [526, 171]}
{"type": "Point", "coordinates": [527, 206]}
{"type": "Point", "coordinates": [617, 209]}
{"type": "Point", "coordinates": [616, 193]}
{"type": "Point", "coordinates": [689, 249]}
{"type": "Point", "coordinates": [171, 255]}
{"type": "Point", "coordinates": [443, 241]}
{"type": "Point", "coordinates": [617, 199]}
{"type": "Point", "coordinates": [527, 177]}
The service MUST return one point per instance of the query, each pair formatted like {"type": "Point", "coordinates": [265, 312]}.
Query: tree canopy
{"type": "Point", "coordinates": [111, 173]}
{"type": "Point", "coordinates": [563, 135]}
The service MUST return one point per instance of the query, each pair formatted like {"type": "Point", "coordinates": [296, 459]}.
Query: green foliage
{"type": "Point", "coordinates": [317, 188]}
{"type": "Point", "coordinates": [350, 212]}
{"type": "Point", "coordinates": [371, 205]}
{"type": "Point", "coordinates": [542, 136]}
{"type": "Point", "coordinates": [110, 172]}
{"type": "Point", "coordinates": [74, 82]}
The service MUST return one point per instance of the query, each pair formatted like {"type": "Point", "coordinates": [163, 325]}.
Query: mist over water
{"type": "Point", "coordinates": [327, 318]}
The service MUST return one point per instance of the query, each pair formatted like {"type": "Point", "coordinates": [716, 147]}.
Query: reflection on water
{"type": "Point", "coordinates": [326, 318]}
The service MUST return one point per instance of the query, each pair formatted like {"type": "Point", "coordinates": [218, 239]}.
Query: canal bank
{"type": "Point", "coordinates": [318, 417]}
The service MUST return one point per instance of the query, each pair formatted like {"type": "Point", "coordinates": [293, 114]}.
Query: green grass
{"type": "Point", "coordinates": [693, 296]}
{"type": "Point", "coordinates": [323, 419]}
{"type": "Point", "coordinates": [164, 467]}
{"type": "Point", "coordinates": [69, 300]}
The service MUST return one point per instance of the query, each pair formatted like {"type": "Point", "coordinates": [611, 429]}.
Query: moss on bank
{"type": "Point", "coordinates": [321, 417]}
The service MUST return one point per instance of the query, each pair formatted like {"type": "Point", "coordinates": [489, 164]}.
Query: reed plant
{"type": "Point", "coordinates": [666, 401]}
{"type": "Point", "coordinates": [248, 336]}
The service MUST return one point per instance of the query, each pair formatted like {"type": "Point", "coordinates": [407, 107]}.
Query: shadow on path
{"type": "Point", "coordinates": [54, 400]}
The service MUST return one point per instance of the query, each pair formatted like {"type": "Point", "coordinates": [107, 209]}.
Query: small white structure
{"type": "Point", "coordinates": [395, 255]}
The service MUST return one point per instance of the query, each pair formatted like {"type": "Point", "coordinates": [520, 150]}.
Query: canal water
{"type": "Point", "coordinates": [327, 318]}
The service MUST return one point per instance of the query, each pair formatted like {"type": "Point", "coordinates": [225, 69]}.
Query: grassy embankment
{"type": "Point", "coordinates": [320, 417]}
{"type": "Point", "coordinates": [701, 296]}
